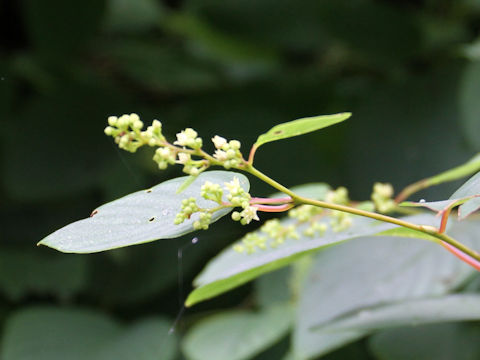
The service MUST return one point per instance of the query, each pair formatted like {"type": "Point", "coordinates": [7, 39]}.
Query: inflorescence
{"type": "Point", "coordinates": [309, 221]}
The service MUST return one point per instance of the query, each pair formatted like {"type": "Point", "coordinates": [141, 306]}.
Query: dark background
{"type": "Point", "coordinates": [408, 70]}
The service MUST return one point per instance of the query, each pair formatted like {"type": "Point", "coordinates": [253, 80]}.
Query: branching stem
{"type": "Point", "coordinates": [298, 200]}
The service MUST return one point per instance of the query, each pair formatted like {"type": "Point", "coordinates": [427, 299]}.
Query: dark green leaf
{"type": "Point", "coordinates": [236, 335]}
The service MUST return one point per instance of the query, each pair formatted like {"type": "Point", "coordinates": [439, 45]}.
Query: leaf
{"type": "Point", "coordinates": [459, 307]}
{"type": "Point", "coordinates": [471, 188]}
{"type": "Point", "coordinates": [236, 335]}
{"type": "Point", "coordinates": [300, 127]}
{"type": "Point", "coordinates": [467, 197]}
{"type": "Point", "coordinates": [371, 272]}
{"type": "Point", "coordinates": [47, 333]}
{"type": "Point", "coordinates": [231, 269]}
{"type": "Point", "coordinates": [457, 341]}
{"type": "Point", "coordinates": [140, 217]}
{"type": "Point", "coordinates": [471, 166]}
{"type": "Point", "coordinates": [188, 181]}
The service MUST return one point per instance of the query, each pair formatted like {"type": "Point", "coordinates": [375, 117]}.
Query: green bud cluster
{"type": "Point", "coordinates": [382, 197]}
{"type": "Point", "coordinates": [304, 213]}
{"type": "Point", "coordinates": [340, 220]}
{"type": "Point", "coordinates": [272, 234]}
{"type": "Point", "coordinates": [190, 166]}
{"type": "Point", "coordinates": [189, 206]}
{"type": "Point", "coordinates": [211, 191]}
{"type": "Point", "coordinates": [228, 153]}
{"type": "Point", "coordinates": [203, 222]}
{"type": "Point", "coordinates": [164, 156]}
{"type": "Point", "coordinates": [338, 196]}
{"type": "Point", "coordinates": [315, 229]}
{"type": "Point", "coordinates": [126, 130]}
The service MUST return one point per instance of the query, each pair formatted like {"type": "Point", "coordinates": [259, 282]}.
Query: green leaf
{"type": "Point", "coordinates": [231, 269]}
{"type": "Point", "coordinates": [140, 217]}
{"type": "Point", "coordinates": [470, 167]}
{"type": "Point", "coordinates": [459, 307]}
{"type": "Point", "coordinates": [236, 335]}
{"type": "Point", "coordinates": [47, 333]}
{"type": "Point", "coordinates": [471, 188]}
{"type": "Point", "coordinates": [467, 197]}
{"type": "Point", "coordinates": [188, 181]}
{"type": "Point", "coordinates": [369, 273]}
{"type": "Point", "coordinates": [457, 341]}
{"type": "Point", "coordinates": [300, 127]}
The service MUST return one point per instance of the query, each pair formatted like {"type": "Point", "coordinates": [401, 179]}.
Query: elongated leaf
{"type": "Point", "coordinates": [231, 269]}
{"type": "Point", "coordinates": [448, 341]}
{"type": "Point", "coordinates": [140, 217]}
{"type": "Point", "coordinates": [47, 333]}
{"type": "Point", "coordinates": [470, 189]}
{"type": "Point", "coordinates": [367, 273]}
{"type": "Point", "coordinates": [467, 197]}
{"type": "Point", "coordinates": [300, 127]}
{"type": "Point", "coordinates": [458, 307]}
{"type": "Point", "coordinates": [236, 335]}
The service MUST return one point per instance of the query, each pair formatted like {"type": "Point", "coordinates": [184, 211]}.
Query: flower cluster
{"type": "Point", "coordinates": [126, 131]}
{"type": "Point", "coordinates": [228, 153]}
{"type": "Point", "coordinates": [272, 234]}
{"type": "Point", "coordinates": [382, 197]}
{"type": "Point", "coordinates": [189, 206]}
{"type": "Point", "coordinates": [239, 197]}
{"type": "Point", "coordinates": [211, 191]}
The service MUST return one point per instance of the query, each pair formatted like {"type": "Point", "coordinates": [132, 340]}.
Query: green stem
{"type": "Point", "coordinates": [385, 218]}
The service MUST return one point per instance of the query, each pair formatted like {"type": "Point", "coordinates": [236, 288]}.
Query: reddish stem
{"type": "Point", "coordinates": [258, 200]}
{"type": "Point", "coordinates": [462, 256]}
{"type": "Point", "coordinates": [252, 154]}
{"type": "Point", "coordinates": [274, 208]}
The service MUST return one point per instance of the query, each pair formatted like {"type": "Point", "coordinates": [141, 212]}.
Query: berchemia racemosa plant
{"type": "Point", "coordinates": [313, 237]}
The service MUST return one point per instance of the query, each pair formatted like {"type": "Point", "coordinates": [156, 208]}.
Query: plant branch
{"type": "Point", "coordinates": [385, 218]}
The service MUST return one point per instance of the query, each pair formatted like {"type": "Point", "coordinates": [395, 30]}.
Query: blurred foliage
{"type": "Point", "coordinates": [408, 70]}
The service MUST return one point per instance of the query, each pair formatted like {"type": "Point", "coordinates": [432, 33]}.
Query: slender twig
{"type": "Point", "coordinates": [385, 218]}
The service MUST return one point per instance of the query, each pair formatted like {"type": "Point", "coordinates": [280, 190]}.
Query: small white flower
{"type": "Point", "coordinates": [249, 214]}
{"type": "Point", "coordinates": [220, 155]}
{"type": "Point", "coordinates": [186, 137]}
{"type": "Point", "coordinates": [183, 158]}
{"type": "Point", "coordinates": [233, 186]}
{"type": "Point", "coordinates": [164, 152]}
{"type": "Point", "coordinates": [219, 141]}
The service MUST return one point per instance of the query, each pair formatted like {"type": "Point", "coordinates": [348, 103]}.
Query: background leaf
{"type": "Point", "coordinates": [44, 333]}
{"type": "Point", "coordinates": [439, 341]}
{"type": "Point", "coordinates": [140, 217]}
{"type": "Point", "coordinates": [236, 335]}
{"type": "Point", "coordinates": [231, 269]}
{"type": "Point", "coordinates": [375, 271]}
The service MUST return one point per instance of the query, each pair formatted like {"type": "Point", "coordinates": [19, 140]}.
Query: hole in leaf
{"type": "Point", "coordinates": [151, 219]}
